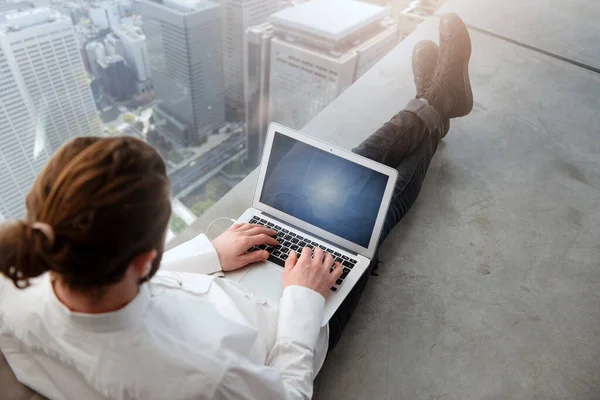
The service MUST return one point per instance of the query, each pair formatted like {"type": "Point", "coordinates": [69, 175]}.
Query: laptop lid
{"type": "Point", "coordinates": [324, 190]}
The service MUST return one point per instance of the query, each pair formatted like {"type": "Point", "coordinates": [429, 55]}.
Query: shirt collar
{"type": "Point", "coordinates": [119, 320]}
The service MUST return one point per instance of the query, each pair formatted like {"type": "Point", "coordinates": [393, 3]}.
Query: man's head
{"type": "Point", "coordinates": [106, 201]}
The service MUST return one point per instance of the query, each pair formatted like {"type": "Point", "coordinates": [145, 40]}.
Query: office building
{"type": "Point", "coordinates": [409, 14]}
{"type": "Point", "coordinates": [113, 45]}
{"type": "Point", "coordinates": [312, 52]}
{"type": "Point", "coordinates": [94, 51]}
{"type": "Point", "coordinates": [109, 56]}
{"type": "Point", "coordinates": [184, 48]}
{"type": "Point", "coordinates": [321, 48]}
{"type": "Point", "coordinates": [14, 6]}
{"type": "Point", "coordinates": [256, 88]}
{"type": "Point", "coordinates": [117, 79]}
{"type": "Point", "coordinates": [45, 99]}
{"type": "Point", "coordinates": [237, 17]}
{"type": "Point", "coordinates": [125, 8]}
{"type": "Point", "coordinates": [105, 15]}
{"type": "Point", "coordinates": [135, 51]}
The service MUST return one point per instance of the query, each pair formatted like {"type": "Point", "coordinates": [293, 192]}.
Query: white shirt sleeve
{"type": "Point", "coordinates": [197, 255]}
{"type": "Point", "coordinates": [288, 374]}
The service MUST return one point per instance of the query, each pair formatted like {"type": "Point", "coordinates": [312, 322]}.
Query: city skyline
{"type": "Point", "coordinates": [45, 99]}
{"type": "Point", "coordinates": [199, 80]}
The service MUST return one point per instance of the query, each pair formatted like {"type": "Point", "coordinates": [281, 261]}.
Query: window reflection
{"type": "Point", "coordinates": [200, 80]}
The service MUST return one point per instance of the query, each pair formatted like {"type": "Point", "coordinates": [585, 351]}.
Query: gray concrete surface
{"type": "Point", "coordinates": [489, 287]}
{"type": "Point", "coordinates": [568, 28]}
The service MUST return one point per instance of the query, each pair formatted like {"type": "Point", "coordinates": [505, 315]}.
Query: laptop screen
{"type": "Point", "coordinates": [323, 189]}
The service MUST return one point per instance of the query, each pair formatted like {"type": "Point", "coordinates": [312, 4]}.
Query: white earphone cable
{"type": "Point", "coordinates": [211, 224]}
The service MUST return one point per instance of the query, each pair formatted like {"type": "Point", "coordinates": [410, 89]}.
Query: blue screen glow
{"type": "Point", "coordinates": [325, 190]}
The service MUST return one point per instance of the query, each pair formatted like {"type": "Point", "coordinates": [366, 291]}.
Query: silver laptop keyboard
{"type": "Point", "coordinates": [293, 241]}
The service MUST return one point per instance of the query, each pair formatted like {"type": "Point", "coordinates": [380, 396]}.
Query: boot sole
{"type": "Point", "coordinates": [467, 81]}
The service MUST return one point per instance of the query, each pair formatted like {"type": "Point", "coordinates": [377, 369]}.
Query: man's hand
{"type": "Point", "coordinates": [233, 244]}
{"type": "Point", "coordinates": [313, 273]}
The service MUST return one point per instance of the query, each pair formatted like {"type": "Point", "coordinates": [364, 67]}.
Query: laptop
{"type": "Point", "coordinates": [314, 194]}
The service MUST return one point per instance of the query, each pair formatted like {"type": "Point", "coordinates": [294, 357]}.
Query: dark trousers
{"type": "Point", "coordinates": [407, 143]}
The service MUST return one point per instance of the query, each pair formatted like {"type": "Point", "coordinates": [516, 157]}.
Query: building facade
{"type": "Point", "coordinates": [105, 15]}
{"type": "Point", "coordinates": [320, 49]}
{"type": "Point", "coordinates": [135, 51]}
{"type": "Point", "coordinates": [257, 58]}
{"type": "Point", "coordinates": [94, 51]}
{"type": "Point", "coordinates": [237, 17]}
{"type": "Point", "coordinates": [184, 49]}
{"type": "Point", "coordinates": [117, 79]}
{"type": "Point", "coordinates": [45, 99]}
{"type": "Point", "coordinates": [309, 54]}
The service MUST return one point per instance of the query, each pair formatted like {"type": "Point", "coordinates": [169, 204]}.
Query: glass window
{"type": "Point", "coordinates": [201, 89]}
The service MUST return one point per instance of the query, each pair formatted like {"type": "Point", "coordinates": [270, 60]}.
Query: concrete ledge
{"type": "Point", "coordinates": [567, 29]}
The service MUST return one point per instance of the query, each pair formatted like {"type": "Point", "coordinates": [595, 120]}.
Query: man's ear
{"type": "Point", "coordinates": [142, 263]}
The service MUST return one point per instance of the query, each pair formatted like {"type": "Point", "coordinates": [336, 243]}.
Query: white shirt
{"type": "Point", "coordinates": [184, 336]}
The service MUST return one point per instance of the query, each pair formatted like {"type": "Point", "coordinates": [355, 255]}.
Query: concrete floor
{"type": "Point", "coordinates": [566, 29]}
{"type": "Point", "coordinates": [489, 287]}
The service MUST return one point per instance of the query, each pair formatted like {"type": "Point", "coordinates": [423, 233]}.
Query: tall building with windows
{"type": "Point", "coordinates": [135, 51]}
{"type": "Point", "coordinates": [105, 15]}
{"type": "Point", "coordinates": [45, 98]}
{"type": "Point", "coordinates": [117, 79]}
{"type": "Point", "coordinates": [237, 17]}
{"type": "Point", "coordinates": [256, 88]}
{"type": "Point", "coordinates": [308, 55]}
{"type": "Point", "coordinates": [184, 48]}
{"type": "Point", "coordinates": [321, 48]}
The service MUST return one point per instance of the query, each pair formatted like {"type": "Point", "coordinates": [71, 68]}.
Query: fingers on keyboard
{"type": "Point", "coordinates": [289, 241]}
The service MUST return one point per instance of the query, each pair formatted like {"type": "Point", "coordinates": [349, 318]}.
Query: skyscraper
{"type": "Point", "coordinates": [320, 49]}
{"type": "Point", "coordinates": [256, 88]}
{"type": "Point", "coordinates": [135, 51]}
{"type": "Point", "coordinates": [117, 79]}
{"type": "Point", "coordinates": [238, 16]}
{"type": "Point", "coordinates": [305, 57]}
{"type": "Point", "coordinates": [45, 98]}
{"type": "Point", "coordinates": [184, 47]}
{"type": "Point", "coordinates": [105, 15]}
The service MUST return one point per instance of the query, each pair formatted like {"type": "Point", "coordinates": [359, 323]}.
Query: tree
{"type": "Point", "coordinates": [200, 207]}
{"type": "Point", "coordinates": [129, 118]}
{"type": "Point", "coordinates": [174, 157]}
{"type": "Point", "coordinates": [199, 142]}
{"type": "Point", "coordinates": [211, 188]}
{"type": "Point", "coordinates": [112, 130]}
{"type": "Point", "coordinates": [176, 224]}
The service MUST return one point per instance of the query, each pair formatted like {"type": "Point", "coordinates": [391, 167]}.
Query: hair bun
{"type": "Point", "coordinates": [46, 230]}
{"type": "Point", "coordinates": [22, 251]}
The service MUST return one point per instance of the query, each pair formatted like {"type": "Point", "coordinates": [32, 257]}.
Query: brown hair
{"type": "Point", "coordinates": [107, 200]}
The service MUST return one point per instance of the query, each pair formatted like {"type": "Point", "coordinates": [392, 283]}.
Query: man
{"type": "Point", "coordinates": [85, 318]}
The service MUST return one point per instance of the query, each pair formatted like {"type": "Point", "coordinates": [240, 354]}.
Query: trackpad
{"type": "Point", "coordinates": [265, 280]}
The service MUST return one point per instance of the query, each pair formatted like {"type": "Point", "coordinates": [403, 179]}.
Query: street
{"type": "Point", "coordinates": [189, 174]}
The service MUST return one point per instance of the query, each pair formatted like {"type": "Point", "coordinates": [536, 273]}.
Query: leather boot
{"type": "Point", "coordinates": [424, 59]}
{"type": "Point", "coordinates": [449, 91]}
